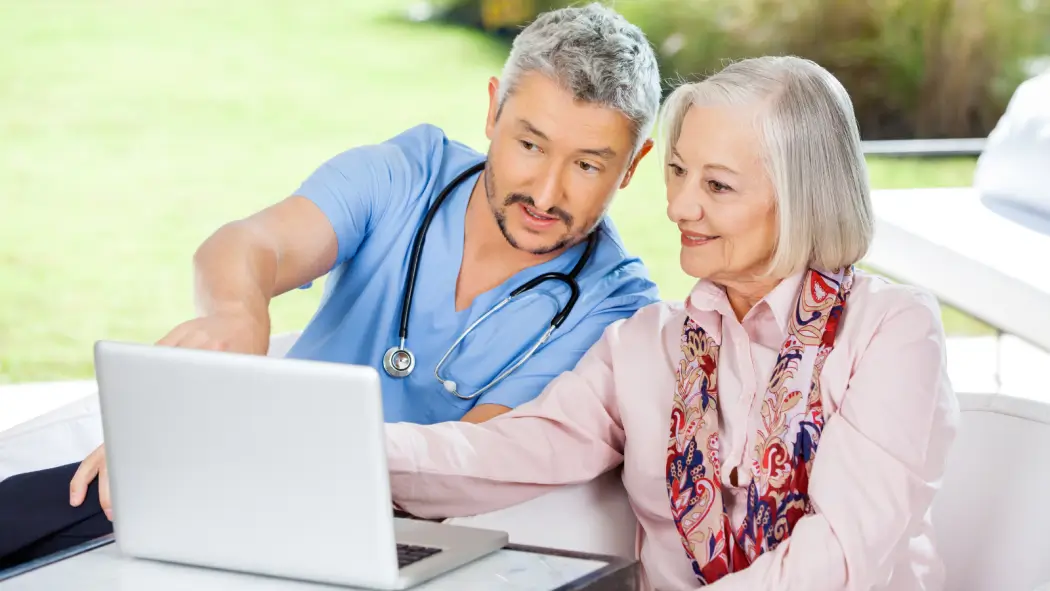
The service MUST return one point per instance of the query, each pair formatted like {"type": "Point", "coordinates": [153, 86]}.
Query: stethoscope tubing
{"type": "Point", "coordinates": [417, 248]}
{"type": "Point", "coordinates": [568, 279]}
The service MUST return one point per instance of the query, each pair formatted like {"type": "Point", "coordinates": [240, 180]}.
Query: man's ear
{"type": "Point", "coordinates": [490, 122]}
{"type": "Point", "coordinates": [648, 145]}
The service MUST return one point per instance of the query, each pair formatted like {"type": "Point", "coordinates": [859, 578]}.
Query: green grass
{"type": "Point", "coordinates": [129, 131]}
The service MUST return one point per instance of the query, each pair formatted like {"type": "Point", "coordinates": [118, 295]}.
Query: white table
{"type": "Point", "coordinates": [103, 568]}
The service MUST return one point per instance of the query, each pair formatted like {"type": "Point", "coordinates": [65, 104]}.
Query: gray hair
{"type": "Point", "coordinates": [812, 154]}
{"type": "Point", "coordinates": [594, 53]}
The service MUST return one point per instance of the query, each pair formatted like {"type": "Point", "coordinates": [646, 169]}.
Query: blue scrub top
{"type": "Point", "coordinates": [376, 196]}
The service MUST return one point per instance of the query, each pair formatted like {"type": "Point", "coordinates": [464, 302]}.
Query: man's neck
{"type": "Point", "coordinates": [483, 241]}
{"type": "Point", "coordinates": [488, 259]}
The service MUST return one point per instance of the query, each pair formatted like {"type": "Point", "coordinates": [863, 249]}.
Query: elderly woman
{"type": "Point", "coordinates": [786, 426]}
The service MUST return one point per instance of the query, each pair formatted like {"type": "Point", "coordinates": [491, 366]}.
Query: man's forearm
{"type": "Point", "coordinates": [235, 269]}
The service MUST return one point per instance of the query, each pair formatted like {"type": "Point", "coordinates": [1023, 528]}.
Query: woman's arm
{"type": "Point", "coordinates": [571, 433]}
{"type": "Point", "coordinates": [877, 468]}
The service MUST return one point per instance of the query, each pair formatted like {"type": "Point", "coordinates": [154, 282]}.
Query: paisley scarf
{"type": "Point", "coordinates": [782, 441]}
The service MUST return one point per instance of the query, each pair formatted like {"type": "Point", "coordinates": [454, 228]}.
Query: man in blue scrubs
{"type": "Point", "coordinates": [568, 122]}
{"type": "Point", "coordinates": [480, 246]}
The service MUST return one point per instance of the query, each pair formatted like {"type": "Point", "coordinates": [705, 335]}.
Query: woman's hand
{"type": "Point", "coordinates": [92, 466]}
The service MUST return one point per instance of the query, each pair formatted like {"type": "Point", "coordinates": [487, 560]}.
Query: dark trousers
{"type": "Point", "coordinates": [36, 518]}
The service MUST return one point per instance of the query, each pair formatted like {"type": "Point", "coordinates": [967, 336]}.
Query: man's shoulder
{"type": "Point", "coordinates": [425, 134]}
{"type": "Point", "coordinates": [431, 143]}
{"type": "Point", "coordinates": [614, 261]}
{"type": "Point", "coordinates": [615, 280]}
{"type": "Point", "coordinates": [420, 152]}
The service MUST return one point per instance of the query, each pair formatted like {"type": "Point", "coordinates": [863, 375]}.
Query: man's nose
{"type": "Point", "coordinates": [550, 190]}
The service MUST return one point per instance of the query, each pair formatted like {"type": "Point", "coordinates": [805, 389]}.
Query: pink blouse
{"type": "Point", "coordinates": [890, 411]}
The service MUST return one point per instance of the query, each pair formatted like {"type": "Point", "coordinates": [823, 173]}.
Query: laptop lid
{"type": "Point", "coordinates": [242, 462]}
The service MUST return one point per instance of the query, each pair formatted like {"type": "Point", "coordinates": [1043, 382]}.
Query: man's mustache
{"type": "Point", "coordinates": [554, 211]}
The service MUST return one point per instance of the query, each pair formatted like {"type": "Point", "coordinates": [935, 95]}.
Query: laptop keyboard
{"type": "Point", "coordinates": [407, 554]}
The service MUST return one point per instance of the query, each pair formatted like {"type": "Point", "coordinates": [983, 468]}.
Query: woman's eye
{"type": "Point", "coordinates": [718, 187]}
{"type": "Point", "coordinates": [676, 170]}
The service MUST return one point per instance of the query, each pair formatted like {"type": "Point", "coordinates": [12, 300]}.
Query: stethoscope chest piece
{"type": "Point", "coordinates": [398, 361]}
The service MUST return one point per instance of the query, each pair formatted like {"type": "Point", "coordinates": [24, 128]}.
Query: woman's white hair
{"type": "Point", "coordinates": [812, 155]}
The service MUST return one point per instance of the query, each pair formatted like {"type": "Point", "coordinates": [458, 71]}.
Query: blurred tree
{"type": "Point", "coordinates": [914, 68]}
{"type": "Point", "coordinates": [503, 14]}
{"type": "Point", "coordinates": [503, 18]}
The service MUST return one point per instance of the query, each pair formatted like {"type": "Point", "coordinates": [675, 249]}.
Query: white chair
{"type": "Point", "coordinates": [989, 520]}
{"type": "Point", "coordinates": [57, 423]}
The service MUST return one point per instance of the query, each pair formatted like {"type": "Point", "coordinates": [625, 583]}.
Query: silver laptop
{"type": "Point", "coordinates": [262, 465]}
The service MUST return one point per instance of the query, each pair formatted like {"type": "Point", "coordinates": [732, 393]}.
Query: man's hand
{"type": "Point", "coordinates": [92, 466]}
{"type": "Point", "coordinates": [238, 269]}
{"type": "Point", "coordinates": [484, 412]}
{"type": "Point", "coordinates": [233, 330]}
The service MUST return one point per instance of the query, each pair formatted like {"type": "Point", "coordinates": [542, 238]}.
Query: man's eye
{"type": "Point", "coordinates": [528, 145]}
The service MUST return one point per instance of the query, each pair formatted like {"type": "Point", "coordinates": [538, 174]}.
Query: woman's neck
{"type": "Point", "coordinates": [745, 294]}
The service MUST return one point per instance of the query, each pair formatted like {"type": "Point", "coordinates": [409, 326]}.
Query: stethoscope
{"type": "Point", "coordinates": [399, 362]}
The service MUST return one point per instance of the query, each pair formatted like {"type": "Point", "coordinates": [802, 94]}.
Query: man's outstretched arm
{"type": "Point", "coordinates": [245, 264]}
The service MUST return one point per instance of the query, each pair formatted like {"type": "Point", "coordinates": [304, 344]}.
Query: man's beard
{"type": "Point", "coordinates": [501, 219]}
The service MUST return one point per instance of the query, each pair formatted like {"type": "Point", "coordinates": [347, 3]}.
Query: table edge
{"type": "Point", "coordinates": [613, 564]}
{"type": "Point", "coordinates": [55, 557]}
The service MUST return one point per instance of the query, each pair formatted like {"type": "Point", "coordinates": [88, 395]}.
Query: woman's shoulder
{"type": "Point", "coordinates": [877, 303]}
{"type": "Point", "coordinates": [873, 290]}
{"type": "Point", "coordinates": [656, 314]}
{"type": "Point", "coordinates": [646, 327]}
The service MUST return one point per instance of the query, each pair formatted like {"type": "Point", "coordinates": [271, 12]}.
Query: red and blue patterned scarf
{"type": "Point", "coordinates": [782, 440]}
